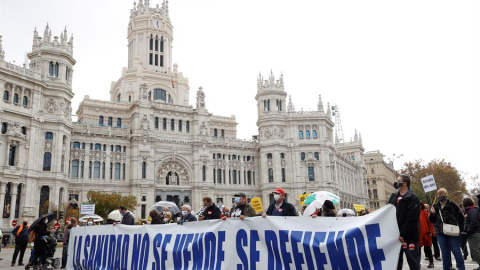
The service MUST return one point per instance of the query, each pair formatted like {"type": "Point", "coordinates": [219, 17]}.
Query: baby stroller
{"type": "Point", "coordinates": [50, 252]}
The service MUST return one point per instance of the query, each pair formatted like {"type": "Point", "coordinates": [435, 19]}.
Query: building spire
{"type": "Point", "coordinates": [329, 111]}
{"type": "Point", "coordinates": [45, 34]}
{"type": "Point", "coordinates": [320, 104]}
{"type": "Point", "coordinates": [355, 137]}
{"type": "Point", "coordinates": [290, 108]}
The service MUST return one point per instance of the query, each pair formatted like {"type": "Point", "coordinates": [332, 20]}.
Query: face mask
{"type": "Point", "coordinates": [184, 213]}
{"type": "Point", "coordinates": [46, 221]}
{"type": "Point", "coordinates": [397, 185]}
{"type": "Point", "coordinates": [276, 197]}
{"type": "Point", "coordinates": [123, 214]}
{"type": "Point", "coordinates": [165, 220]}
{"type": "Point", "coordinates": [236, 199]}
{"type": "Point", "coordinates": [89, 223]}
{"type": "Point", "coordinates": [442, 198]}
{"type": "Point", "coordinates": [25, 223]}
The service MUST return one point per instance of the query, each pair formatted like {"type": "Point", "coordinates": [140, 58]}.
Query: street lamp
{"type": "Point", "coordinates": [394, 158]}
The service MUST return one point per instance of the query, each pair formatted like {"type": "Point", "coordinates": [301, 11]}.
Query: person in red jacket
{"type": "Point", "coordinates": [426, 229]}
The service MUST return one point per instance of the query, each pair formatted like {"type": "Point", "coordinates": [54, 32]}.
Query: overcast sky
{"type": "Point", "coordinates": [405, 74]}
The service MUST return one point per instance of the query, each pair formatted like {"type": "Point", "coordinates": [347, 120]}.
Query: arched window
{"type": "Point", "coordinates": [270, 175]}
{"type": "Point", "coordinates": [117, 171]}
{"type": "Point", "coordinates": [96, 169]}
{"type": "Point", "coordinates": [56, 69]}
{"type": "Point", "coordinates": [24, 131]}
{"type": "Point", "coordinates": [222, 133]}
{"type": "Point", "coordinates": [144, 170]}
{"type": "Point", "coordinates": [123, 171]}
{"type": "Point", "coordinates": [25, 101]}
{"type": "Point", "coordinates": [156, 123]}
{"type": "Point", "coordinates": [204, 173]}
{"type": "Point", "coordinates": [89, 169]}
{"type": "Point", "coordinates": [103, 170]}
{"type": "Point", "coordinates": [302, 156]}
{"type": "Point", "coordinates": [156, 43]}
{"type": "Point", "coordinates": [314, 133]}
{"type": "Point", "coordinates": [4, 128]}
{"type": "Point", "coordinates": [83, 145]}
{"type": "Point", "coordinates": [187, 126]}
{"type": "Point", "coordinates": [75, 145]}
{"type": "Point", "coordinates": [6, 95]}
{"type": "Point", "coordinates": [119, 97]}
{"type": "Point", "coordinates": [47, 161]}
{"type": "Point", "coordinates": [374, 182]}
{"type": "Point", "coordinates": [311, 173]}
{"type": "Point", "coordinates": [172, 125]}
{"type": "Point", "coordinates": [50, 69]}
{"type": "Point", "coordinates": [161, 44]}
{"type": "Point", "coordinates": [119, 122]}
{"type": "Point", "coordinates": [75, 168]}
{"type": "Point", "coordinates": [180, 125]}
{"type": "Point", "coordinates": [82, 168]}
{"type": "Point", "coordinates": [300, 134]}
{"type": "Point", "coordinates": [124, 149]}
{"type": "Point", "coordinates": [269, 156]}
{"type": "Point", "coordinates": [118, 148]}
{"type": "Point", "coordinates": [283, 175]}
{"type": "Point", "coordinates": [151, 42]}
{"type": "Point", "coordinates": [317, 156]}
{"type": "Point", "coordinates": [159, 94]}
{"type": "Point", "coordinates": [307, 134]}
{"type": "Point", "coordinates": [67, 74]}
{"type": "Point", "coordinates": [100, 120]}
{"type": "Point", "coordinates": [215, 132]}
{"type": "Point", "coordinates": [375, 194]}
{"type": "Point", "coordinates": [164, 124]}
{"type": "Point", "coordinates": [98, 146]}
{"type": "Point", "coordinates": [110, 121]}
{"type": "Point", "coordinates": [129, 98]}
{"type": "Point", "coordinates": [15, 98]}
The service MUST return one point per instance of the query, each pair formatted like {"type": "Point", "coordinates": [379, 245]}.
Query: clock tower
{"type": "Point", "coordinates": [150, 36]}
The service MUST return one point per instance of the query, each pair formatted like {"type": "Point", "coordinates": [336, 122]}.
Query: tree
{"type": "Point", "coordinates": [445, 174]}
{"type": "Point", "coordinates": [475, 182]}
{"type": "Point", "coordinates": [106, 203]}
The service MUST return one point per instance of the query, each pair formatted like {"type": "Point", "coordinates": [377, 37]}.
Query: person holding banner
{"type": "Point", "coordinates": [211, 210]}
{"type": "Point", "coordinates": [280, 207]}
{"type": "Point", "coordinates": [408, 213]}
{"type": "Point", "coordinates": [127, 217]}
{"type": "Point", "coordinates": [446, 213]}
{"type": "Point", "coordinates": [187, 214]}
{"type": "Point", "coordinates": [241, 208]}
{"type": "Point", "coordinates": [472, 229]}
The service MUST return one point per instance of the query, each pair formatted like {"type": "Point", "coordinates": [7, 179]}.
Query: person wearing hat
{"type": "Point", "coordinates": [241, 208]}
{"type": "Point", "coordinates": [280, 207]}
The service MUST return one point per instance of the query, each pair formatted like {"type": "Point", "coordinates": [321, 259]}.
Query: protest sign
{"type": "Point", "coordinates": [358, 207]}
{"type": "Point", "coordinates": [428, 183]}
{"type": "Point", "coordinates": [87, 209]}
{"type": "Point", "coordinates": [257, 204]}
{"type": "Point", "coordinates": [302, 197]}
{"type": "Point", "coordinates": [367, 242]}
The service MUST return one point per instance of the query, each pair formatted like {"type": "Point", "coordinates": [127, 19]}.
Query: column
{"type": "Point", "coordinates": [13, 201]}
{"type": "Point", "coordinates": [2, 199]}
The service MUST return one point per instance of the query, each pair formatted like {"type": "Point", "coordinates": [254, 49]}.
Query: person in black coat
{"type": "Point", "coordinates": [128, 218]}
{"type": "Point", "coordinates": [472, 228]}
{"type": "Point", "coordinates": [21, 240]}
{"type": "Point", "coordinates": [157, 218]}
{"type": "Point", "coordinates": [40, 243]}
{"type": "Point", "coordinates": [187, 214]}
{"type": "Point", "coordinates": [280, 207]}
{"type": "Point", "coordinates": [447, 212]}
{"type": "Point", "coordinates": [408, 215]}
{"type": "Point", "coordinates": [211, 210]}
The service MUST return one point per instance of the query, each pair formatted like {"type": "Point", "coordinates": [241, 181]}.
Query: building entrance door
{"type": "Point", "coordinates": [179, 197]}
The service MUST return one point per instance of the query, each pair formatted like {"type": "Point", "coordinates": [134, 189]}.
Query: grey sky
{"type": "Point", "coordinates": [405, 74]}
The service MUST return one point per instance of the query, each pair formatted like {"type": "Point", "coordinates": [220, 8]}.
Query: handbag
{"type": "Point", "coordinates": [448, 229]}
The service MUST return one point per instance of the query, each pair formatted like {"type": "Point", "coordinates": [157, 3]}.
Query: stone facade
{"type": "Point", "coordinates": [149, 141]}
{"type": "Point", "coordinates": [380, 176]}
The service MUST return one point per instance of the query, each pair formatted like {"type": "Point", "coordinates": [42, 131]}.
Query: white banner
{"type": "Point", "coordinates": [429, 183]}
{"type": "Point", "coordinates": [87, 209]}
{"type": "Point", "coordinates": [367, 242]}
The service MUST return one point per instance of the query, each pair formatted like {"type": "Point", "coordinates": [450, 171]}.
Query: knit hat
{"type": "Point", "coordinates": [328, 205]}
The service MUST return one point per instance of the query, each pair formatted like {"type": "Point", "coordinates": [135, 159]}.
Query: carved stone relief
{"type": "Point", "coordinates": [51, 106]}
{"type": "Point", "coordinates": [172, 173]}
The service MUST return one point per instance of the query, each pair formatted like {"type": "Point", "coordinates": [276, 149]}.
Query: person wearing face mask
{"type": "Point", "coordinates": [66, 238]}
{"type": "Point", "coordinates": [127, 217]}
{"type": "Point", "coordinates": [40, 244]}
{"type": "Point", "coordinates": [167, 218]}
{"type": "Point", "coordinates": [448, 212]}
{"type": "Point", "coordinates": [241, 207]}
{"type": "Point", "coordinates": [21, 240]}
{"type": "Point", "coordinates": [156, 217]}
{"type": "Point", "coordinates": [472, 228]}
{"type": "Point", "coordinates": [90, 222]}
{"type": "Point", "coordinates": [187, 214]}
{"type": "Point", "coordinates": [280, 207]}
{"type": "Point", "coordinates": [407, 205]}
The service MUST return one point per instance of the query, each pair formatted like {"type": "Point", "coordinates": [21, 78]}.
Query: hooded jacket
{"type": "Point", "coordinates": [408, 213]}
{"type": "Point", "coordinates": [451, 214]}
{"type": "Point", "coordinates": [472, 222]}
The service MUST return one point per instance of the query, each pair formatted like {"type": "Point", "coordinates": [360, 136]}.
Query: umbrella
{"type": "Point", "coordinates": [50, 216]}
{"type": "Point", "coordinates": [115, 215]}
{"type": "Point", "coordinates": [172, 207]}
{"type": "Point", "coordinates": [96, 218]}
{"type": "Point", "coordinates": [316, 200]}
{"type": "Point", "coordinates": [349, 212]}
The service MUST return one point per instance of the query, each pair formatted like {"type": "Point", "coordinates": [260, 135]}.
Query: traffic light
{"type": "Point", "coordinates": [62, 215]}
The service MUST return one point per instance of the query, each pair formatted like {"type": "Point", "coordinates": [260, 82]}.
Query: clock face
{"type": "Point", "coordinates": [157, 23]}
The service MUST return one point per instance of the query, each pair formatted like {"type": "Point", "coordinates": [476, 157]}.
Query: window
{"type": "Point", "coordinates": [76, 145]}
{"type": "Point", "coordinates": [25, 101]}
{"type": "Point", "coordinates": [374, 182]}
{"type": "Point", "coordinates": [219, 176]}
{"type": "Point", "coordinates": [83, 145]}
{"type": "Point", "coordinates": [375, 194]}
{"type": "Point", "coordinates": [89, 169]}
{"type": "Point", "coordinates": [118, 148]}
{"type": "Point", "coordinates": [204, 172]}
{"type": "Point", "coordinates": [161, 44]}
{"type": "Point", "coordinates": [15, 98]}
{"type": "Point", "coordinates": [123, 171]}
{"type": "Point", "coordinates": [156, 123]}
{"type": "Point", "coordinates": [100, 120]}
{"type": "Point", "coordinates": [82, 168]}
{"type": "Point", "coordinates": [222, 133]}
{"type": "Point", "coordinates": [187, 127]}
{"type": "Point", "coordinates": [96, 169]}
{"type": "Point", "coordinates": [67, 74]}
{"type": "Point", "coordinates": [119, 122]}
{"type": "Point", "coordinates": [172, 125]}
{"type": "Point", "coordinates": [300, 134]}
{"type": "Point", "coordinates": [75, 168]}
{"type": "Point", "coordinates": [302, 156]}
{"type": "Point", "coordinates": [110, 121]}
{"type": "Point", "coordinates": [50, 69]}
{"type": "Point", "coordinates": [91, 146]}
{"type": "Point", "coordinates": [373, 171]}
{"type": "Point", "coordinates": [150, 58]}
{"type": "Point", "coordinates": [314, 134]}
{"type": "Point", "coordinates": [279, 105]}
{"type": "Point", "coordinates": [156, 43]}
{"type": "Point", "coordinates": [104, 147]}
{"type": "Point", "coordinates": [266, 105]}
{"type": "Point", "coordinates": [369, 194]}
{"type": "Point", "coordinates": [6, 96]}
{"type": "Point", "coordinates": [129, 98]}
{"type": "Point", "coordinates": [283, 175]}
{"type": "Point", "coordinates": [117, 171]}
{"type": "Point", "coordinates": [164, 124]}
{"type": "Point", "coordinates": [56, 69]}
{"type": "Point", "coordinates": [282, 155]}
{"type": "Point", "coordinates": [249, 177]}
{"type": "Point", "coordinates": [151, 42]}
{"type": "Point", "coordinates": [161, 60]}
{"type": "Point", "coordinates": [215, 132]}
{"type": "Point", "coordinates": [234, 176]}
{"type": "Point", "coordinates": [180, 125]}
{"type": "Point", "coordinates": [98, 146]}
{"type": "Point", "coordinates": [111, 170]}
{"type": "Point", "coordinates": [149, 95]}
{"type": "Point", "coordinates": [103, 170]}
{"type": "Point", "coordinates": [311, 173]}
{"type": "Point", "coordinates": [4, 128]}
{"type": "Point", "coordinates": [159, 94]}
{"type": "Point", "coordinates": [269, 156]}
{"type": "Point", "coordinates": [47, 161]}
{"type": "Point", "coordinates": [316, 155]}
{"type": "Point", "coordinates": [214, 176]}
{"type": "Point", "coordinates": [270, 175]}
{"type": "Point", "coordinates": [24, 131]}
{"type": "Point", "coordinates": [307, 134]}
{"type": "Point", "coordinates": [11, 155]}
{"type": "Point", "coordinates": [144, 170]}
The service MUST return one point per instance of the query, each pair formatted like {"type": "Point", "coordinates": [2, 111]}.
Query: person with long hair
{"type": "Point", "coordinates": [426, 229]}
{"type": "Point", "coordinates": [66, 238]}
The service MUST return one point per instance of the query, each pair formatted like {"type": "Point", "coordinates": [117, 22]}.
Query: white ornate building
{"type": "Point", "coordinates": [149, 141]}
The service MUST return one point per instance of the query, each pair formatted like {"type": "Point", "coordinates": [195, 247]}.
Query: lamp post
{"type": "Point", "coordinates": [394, 158]}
